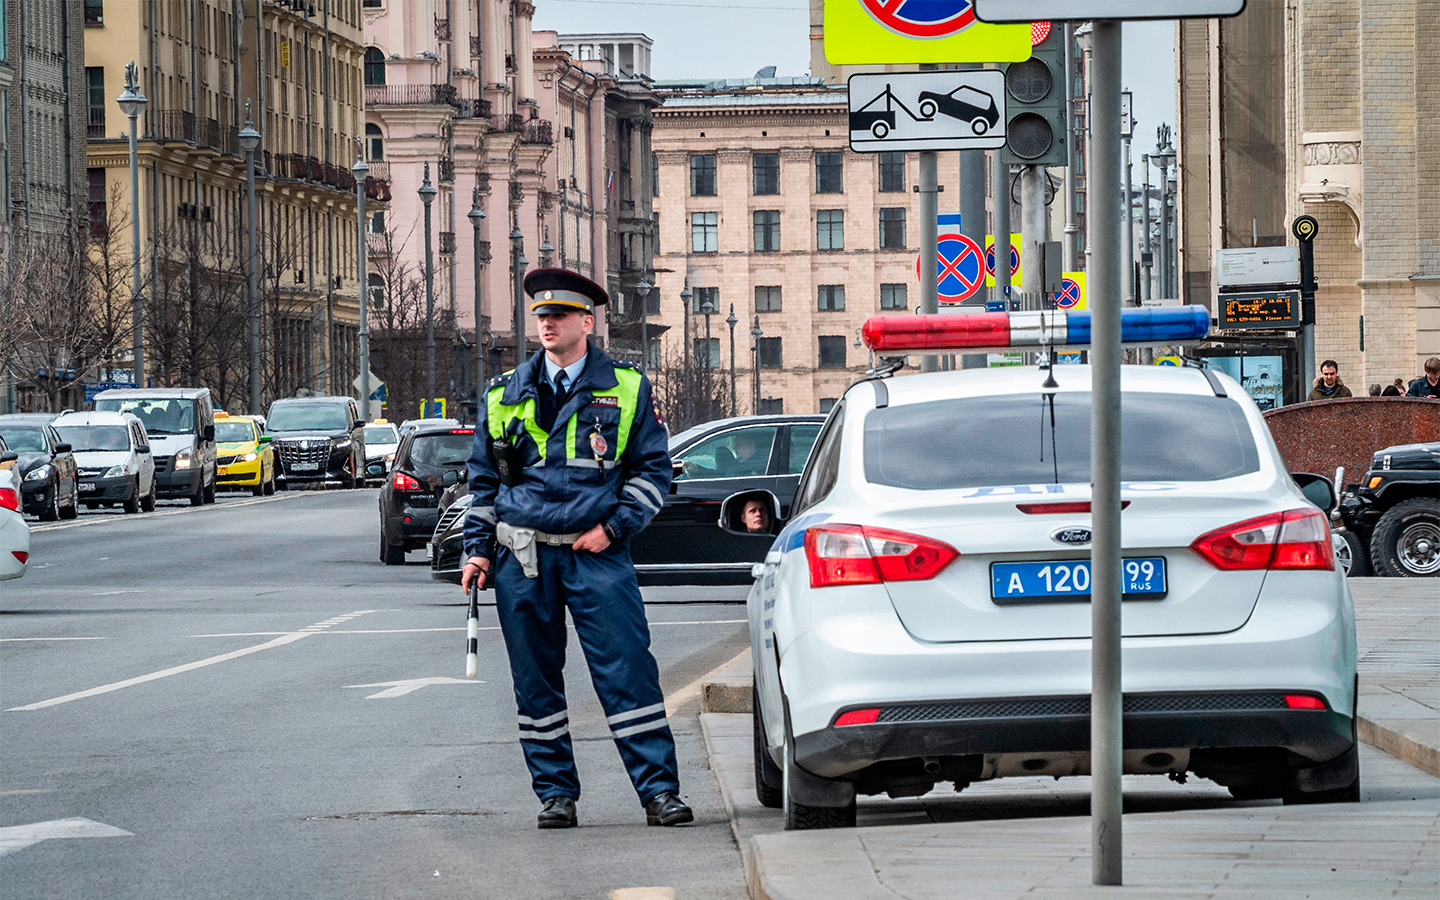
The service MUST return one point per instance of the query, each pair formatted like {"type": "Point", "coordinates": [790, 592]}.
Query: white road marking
{"type": "Point", "coordinates": [447, 628]}
{"type": "Point", "coordinates": [18, 837]}
{"type": "Point", "coordinates": [113, 593]}
{"type": "Point", "coordinates": [401, 688]}
{"type": "Point", "coordinates": [643, 893]}
{"type": "Point", "coordinates": [160, 515]}
{"type": "Point", "coordinates": [9, 640]}
{"type": "Point", "coordinates": [288, 638]}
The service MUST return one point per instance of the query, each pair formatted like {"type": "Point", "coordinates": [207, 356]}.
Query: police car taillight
{"type": "Point", "coordinates": [998, 331]}
{"type": "Point", "coordinates": [853, 554]}
{"type": "Point", "coordinates": [1295, 539]}
{"type": "Point", "coordinates": [9, 499]}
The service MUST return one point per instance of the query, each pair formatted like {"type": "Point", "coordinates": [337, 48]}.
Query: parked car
{"type": "Point", "coordinates": [49, 485]}
{"type": "Point", "coordinates": [964, 103]}
{"type": "Point", "coordinates": [429, 459]}
{"type": "Point", "coordinates": [245, 460]}
{"type": "Point", "coordinates": [318, 440]}
{"type": "Point", "coordinates": [112, 452]}
{"type": "Point", "coordinates": [1394, 513]}
{"type": "Point", "coordinates": [14, 533]}
{"type": "Point", "coordinates": [382, 439]}
{"type": "Point", "coordinates": [924, 615]}
{"type": "Point", "coordinates": [180, 423]}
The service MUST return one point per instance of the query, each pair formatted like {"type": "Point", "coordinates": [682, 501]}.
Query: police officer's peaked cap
{"type": "Point", "coordinates": [561, 291]}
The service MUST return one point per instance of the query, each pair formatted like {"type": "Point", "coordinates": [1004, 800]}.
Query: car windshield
{"type": "Point", "coordinates": [993, 441]}
{"type": "Point", "coordinates": [24, 440]}
{"type": "Point", "coordinates": [380, 434]}
{"type": "Point", "coordinates": [161, 415]}
{"type": "Point", "coordinates": [234, 432]}
{"type": "Point", "coordinates": [438, 451]}
{"type": "Point", "coordinates": [308, 417]}
{"type": "Point", "coordinates": [95, 437]}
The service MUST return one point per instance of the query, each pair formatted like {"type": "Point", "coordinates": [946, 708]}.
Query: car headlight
{"type": "Point", "coordinates": [249, 457]}
{"type": "Point", "coordinates": [117, 471]}
{"type": "Point", "coordinates": [182, 459]}
{"type": "Point", "coordinates": [40, 474]}
{"type": "Point", "coordinates": [341, 445]}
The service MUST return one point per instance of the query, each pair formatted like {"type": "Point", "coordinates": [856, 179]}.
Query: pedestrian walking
{"type": "Point", "coordinates": [1427, 385]}
{"type": "Point", "coordinates": [1375, 389]}
{"type": "Point", "coordinates": [570, 461]}
{"type": "Point", "coordinates": [1329, 386]}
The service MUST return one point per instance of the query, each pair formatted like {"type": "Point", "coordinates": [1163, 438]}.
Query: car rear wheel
{"type": "Point", "coordinates": [270, 485]}
{"type": "Point", "coordinates": [769, 780]}
{"type": "Point", "coordinates": [1359, 555]}
{"type": "Point", "coordinates": [391, 554]}
{"type": "Point", "coordinates": [132, 503]}
{"type": "Point", "coordinates": [210, 493]}
{"type": "Point", "coordinates": [1406, 540]}
{"type": "Point", "coordinates": [801, 785]}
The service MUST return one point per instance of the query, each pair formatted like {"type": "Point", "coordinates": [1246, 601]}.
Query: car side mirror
{"type": "Point", "coordinates": [143, 448]}
{"type": "Point", "coordinates": [357, 424]}
{"type": "Point", "coordinates": [1317, 489]}
{"type": "Point", "coordinates": [451, 477]}
{"type": "Point", "coordinates": [62, 448]}
{"type": "Point", "coordinates": [264, 439]}
{"type": "Point", "coordinates": [732, 514]}
{"type": "Point", "coordinates": [209, 432]}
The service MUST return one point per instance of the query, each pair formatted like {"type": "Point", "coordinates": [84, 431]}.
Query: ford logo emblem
{"type": "Point", "coordinates": [1071, 535]}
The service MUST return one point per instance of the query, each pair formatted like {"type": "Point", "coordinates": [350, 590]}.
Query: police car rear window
{"type": "Point", "coordinates": [986, 441]}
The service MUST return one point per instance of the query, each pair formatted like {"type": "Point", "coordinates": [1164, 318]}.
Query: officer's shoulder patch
{"type": "Point", "coordinates": [604, 401]}
{"type": "Point", "coordinates": [625, 364]}
{"type": "Point", "coordinates": [498, 380]}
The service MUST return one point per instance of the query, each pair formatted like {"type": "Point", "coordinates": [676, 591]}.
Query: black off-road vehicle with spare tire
{"type": "Point", "coordinates": [1395, 511]}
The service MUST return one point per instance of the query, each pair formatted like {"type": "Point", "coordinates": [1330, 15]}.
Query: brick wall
{"type": "Point", "coordinates": [1330, 47]}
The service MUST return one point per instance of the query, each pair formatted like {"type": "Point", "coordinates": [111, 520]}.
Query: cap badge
{"type": "Point", "coordinates": [549, 295]}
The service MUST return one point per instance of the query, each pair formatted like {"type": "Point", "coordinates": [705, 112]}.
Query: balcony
{"type": "Point", "coordinates": [511, 122]}
{"type": "Point", "coordinates": [167, 125]}
{"type": "Point", "coordinates": [410, 95]}
{"type": "Point", "coordinates": [308, 168]}
{"type": "Point", "coordinates": [468, 108]}
{"type": "Point", "coordinates": [446, 170]}
{"type": "Point", "coordinates": [379, 170]}
{"type": "Point", "coordinates": [538, 131]}
{"type": "Point", "coordinates": [447, 243]}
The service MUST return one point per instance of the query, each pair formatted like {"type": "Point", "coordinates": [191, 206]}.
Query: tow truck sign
{"type": "Point", "coordinates": [927, 111]}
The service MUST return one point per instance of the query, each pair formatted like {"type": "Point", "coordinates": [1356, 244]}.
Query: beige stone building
{"type": "Point", "coordinates": [763, 207]}
{"type": "Point", "coordinates": [1329, 108]}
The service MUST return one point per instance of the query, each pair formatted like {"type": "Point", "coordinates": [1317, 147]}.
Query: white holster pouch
{"type": "Point", "coordinates": [521, 542]}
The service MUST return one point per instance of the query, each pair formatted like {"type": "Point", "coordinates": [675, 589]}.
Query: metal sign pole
{"type": "Point", "coordinates": [1001, 229]}
{"type": "Point", "coordinates": [1106, 741]}
{"type": "Point", "coordinates": [929, 246]}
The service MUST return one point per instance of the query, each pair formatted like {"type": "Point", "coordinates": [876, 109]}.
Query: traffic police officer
{"type": "Point", "coordinates": [570, 460]}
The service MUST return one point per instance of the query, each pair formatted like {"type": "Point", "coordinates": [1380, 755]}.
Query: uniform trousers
{"type": "Point", "coordinates": [601, 593]}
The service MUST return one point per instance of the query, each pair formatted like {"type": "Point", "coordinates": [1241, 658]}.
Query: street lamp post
{"type": "Point", "coordinates": [547, 252]}
{"type": "Point", "coordinates": [756, 333]}
{"type": "Point", "coordinates": [131, 103]}
{"type": "Point", "coordinates": [642, 290]}
{"type": "Point", "coordinates": [1147, 254]}
{"type": "Point", "coordinates": [360, 170]}
{"type": "Point", "coordinates": [427, 197]}
{"type": "Point", "coordinates": [708, 309]}
{"type": "Point", "coordinates": [1127, 258]}
{"type": "Point", "coordinates": [1163, 156]}
{"type": "Point", "coordinates": [250, 142]}
{"type": "Point", "coordinates": [732, 322]}
{"type": "Point", "coordinates": [476, 215]}
{"type": "Point", "coordinates": [689, 404]}
{"type": "Point", "coordinates": [517, 269]}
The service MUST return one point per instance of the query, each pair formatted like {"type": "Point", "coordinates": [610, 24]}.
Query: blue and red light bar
{"type": "Point", "coordinates": [1004, 331]}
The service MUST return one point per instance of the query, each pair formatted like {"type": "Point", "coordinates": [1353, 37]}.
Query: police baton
{"type": "Point", "coordinates": [472, 639]}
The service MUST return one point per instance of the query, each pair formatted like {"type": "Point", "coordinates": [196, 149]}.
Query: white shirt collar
{"type": "Point", "coordinates": [572, 371]}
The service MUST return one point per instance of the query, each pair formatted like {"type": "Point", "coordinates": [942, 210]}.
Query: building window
{"type": "Point", "coordinates": [702, 295]}
{"type": "Point", "coordinates": [375, 141]}
{"type": "Point", "coordinates": [702, 175]}
{"type": "Point", "coordinates": [832, 351]}
{"type": "Point", "coordinates": [94, 12]}
{"type": "Point", "coordinates": [95, 95]}
{"type": "Point", "coordinates": [832, 298]}
{"type": "Point", "coordinates": [652, 302]}
{"type": "Point", "coordinates": [377, 222]}
{"type": "Point", "coordinates": [770, 353]}
{"type": "Point", "coordinates": [654, 174]}
{"type": "Point", "coordinates": [374, 66]}
{"type": "Point", "coordinates": [772, 406]}
{"type": "Point", "coordinates": [829, 172]}
{"type": "Point", "coordinates": [893, 296]}
{"type": "Point", "coordinates": [99, 211]}
{"type": "Point", "coordinates": [375, 290]}
{"type": "Point", "coordinates": [767, 298]}
{"type": "Point", "coordinates": [707, 353]}
{"type": "Point", "coordinates": [704, 232]}
{"type": "Point", "coordinates": [767, 173]}
{"type": "Point", "coordinates": [892, 172]}
{"type": "Point", "coordinates": [892, 228]}
{"type": "Point", "coordinates": [830, 229]}
{"type": "Point", "coordinates": [827, 404]}
{"type": "Point", "coordinates": [767, 230]}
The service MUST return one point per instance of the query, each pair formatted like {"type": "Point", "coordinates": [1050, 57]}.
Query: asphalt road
{"type": "Point", "coordinates": [205, 695]}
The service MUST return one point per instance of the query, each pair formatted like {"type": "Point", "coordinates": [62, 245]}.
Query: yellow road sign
{"type": "Point", "coordinates": [1017, 248]}
{"type": "Point", "coordinates": [1072, 292]}
{"type": "Point", "coordinates": [883, 32]}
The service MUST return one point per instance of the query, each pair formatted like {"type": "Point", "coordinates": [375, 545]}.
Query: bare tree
{"type": "Point", "coordinates": [398, 333]}
{"type": "Point", "coordinates": [702, 397]}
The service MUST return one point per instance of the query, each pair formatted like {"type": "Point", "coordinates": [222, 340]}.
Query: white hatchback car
{"type": "Point", "coordinates": [14, 533]}
{"type": "Point", "coordinates": [923, 616]}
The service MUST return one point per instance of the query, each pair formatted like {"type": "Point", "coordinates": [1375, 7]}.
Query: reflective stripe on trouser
{"type": "Point", "coordinates": [609, 617]}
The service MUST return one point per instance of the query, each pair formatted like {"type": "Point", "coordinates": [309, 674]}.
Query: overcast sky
{"type": "Point", "coordinates": [735, 38]}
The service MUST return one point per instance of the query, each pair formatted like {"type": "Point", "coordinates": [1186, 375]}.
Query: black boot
{"type": "Point", "coordinates": [665, 808]}
{"type": "Point", "coordinates": [559, 812]}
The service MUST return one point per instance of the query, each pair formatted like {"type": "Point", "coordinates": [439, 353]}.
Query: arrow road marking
{"type": "Point", "coordinates": [18, 837]}
{"type": "Point", "coordinates": [401, 688]}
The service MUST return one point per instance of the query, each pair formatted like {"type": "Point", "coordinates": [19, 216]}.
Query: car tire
{"type": "Point", "coordinates": [132, 503]}
{"type": "Point", "coordinates": [769, 779]}
{"type": "Point", "coordinates": [1359, 555]}
{"type": "Point", "coordinates": [391, 554]}
{"type": "Point", "coordinates": [148, 504]}
{"type": "Point", "coordinates": [198, 498]}
{"type": "Point", "coordinates": [1406, 540]}
{"type": "Point", "coordinates": [259, 489]}
{"type": "Point", "coordinates": [270, 485]}
{"type": "Point", "coordinates": [73, 510]}
{"type": "Point", "coordinates": [803, 817]}
{"type": "Point", "coordinates": [210, 493]}
{"type": "Point", "coordinates": [51, 512]}
{"type": "Point", "coordinates": [348, 481]}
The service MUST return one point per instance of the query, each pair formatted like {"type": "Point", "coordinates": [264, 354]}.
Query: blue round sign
{"type": "Point", "coordinates": [1069, 295]}
{"type": "Point", "coordinates": [923, 18]}
{"type": "Point", "coordinates": [990, 259]}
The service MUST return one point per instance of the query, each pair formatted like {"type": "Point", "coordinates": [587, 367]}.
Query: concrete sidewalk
{"type": "Point", "coordinates": [1031, 837]}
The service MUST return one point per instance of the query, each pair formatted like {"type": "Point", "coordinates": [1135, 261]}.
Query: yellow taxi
{"type": "Point", "coordinates": [243, 455]}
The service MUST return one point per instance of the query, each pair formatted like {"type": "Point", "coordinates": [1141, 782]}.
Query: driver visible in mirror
{"type": "Point", "coordinates": [756, 517]}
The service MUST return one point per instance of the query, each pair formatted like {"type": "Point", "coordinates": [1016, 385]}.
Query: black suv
{"type": "Point", "coordinates": [1394, 512]}
{"type": "Point", "coordinates": [428, 460]}
{"type": "Point", "coordinates": [316, 440]}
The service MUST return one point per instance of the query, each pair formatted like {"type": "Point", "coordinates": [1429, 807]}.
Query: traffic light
{"type": "Point", "coordinates": [1036, 102]}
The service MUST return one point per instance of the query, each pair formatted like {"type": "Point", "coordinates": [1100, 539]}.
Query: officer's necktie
{"type": "Point", "coordinates": [560, 378]}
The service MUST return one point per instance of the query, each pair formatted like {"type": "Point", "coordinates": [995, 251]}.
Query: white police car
{"type": "Point", "coordinates": [923, 616]}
